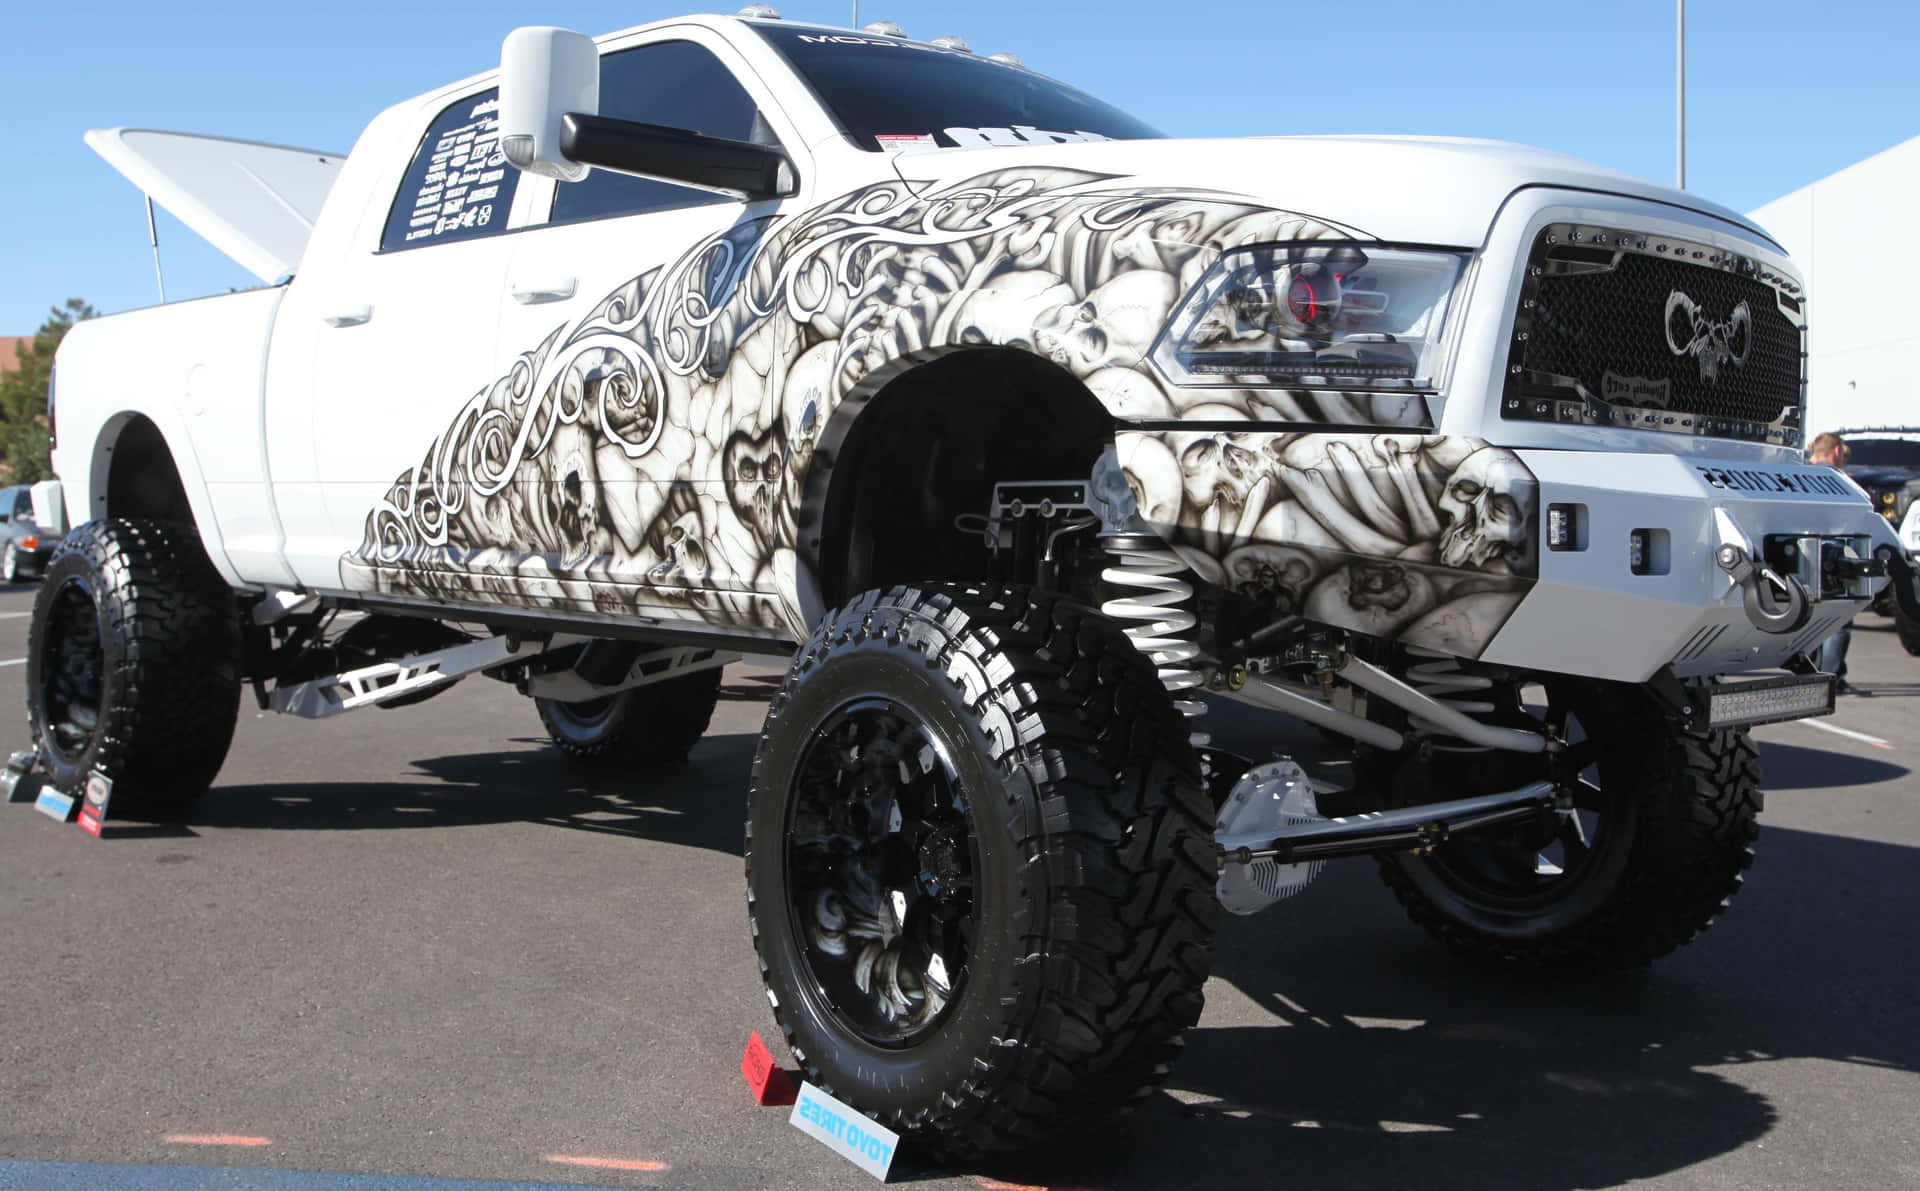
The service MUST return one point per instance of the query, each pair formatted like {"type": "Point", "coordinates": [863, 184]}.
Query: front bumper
{"type": "Point", "coordinates": [1594, 612]}
{"type": "Point", "coordinates": [33, 562]}
{"type": "Point", "coordinates": [1445, 544]}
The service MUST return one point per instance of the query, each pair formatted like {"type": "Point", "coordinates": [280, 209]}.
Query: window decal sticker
{"type": "Point", "coordinates": [897, 141]}
{"type": "Point", "coordinates": [1019, 134]}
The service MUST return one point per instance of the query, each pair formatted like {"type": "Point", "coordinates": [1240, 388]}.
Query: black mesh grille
{"type": "Point", "coordinates": [1617, 329]}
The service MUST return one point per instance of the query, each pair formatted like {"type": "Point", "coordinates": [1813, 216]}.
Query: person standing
{"type": "Point", "coordinates": [1831, 450]}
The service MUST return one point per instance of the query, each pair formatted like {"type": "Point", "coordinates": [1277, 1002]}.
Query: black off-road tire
{"type": "Point", "coordinates": [133, 668]}
{"type": "Point", "coordinates": [649, 726]}
{"type": "Point", "coordinates": [1908, 629]}
{"type": "Point", "coordinates": [1672, 850]}
{"type": "Point", "coordinates": [1092, 837]}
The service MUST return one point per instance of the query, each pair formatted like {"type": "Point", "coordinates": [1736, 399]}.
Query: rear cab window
{"type": "Point", "coordinates": [459, 185]}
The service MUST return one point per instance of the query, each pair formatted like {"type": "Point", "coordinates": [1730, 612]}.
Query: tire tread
{"type": "Point", "coordinates": [1122, 871]}
{"type": "Point", "coordinates": [175, 689]}
{"type": "Point", "coordinates": [1694, 840]}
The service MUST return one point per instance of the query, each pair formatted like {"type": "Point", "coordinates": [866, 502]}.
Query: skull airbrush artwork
{"type": "Point", "coordinates": [1428, 539]}
{"type": "Point", "coordinates": [1714, 344]}
{"type": "Point", "coordinates": [651, 456]}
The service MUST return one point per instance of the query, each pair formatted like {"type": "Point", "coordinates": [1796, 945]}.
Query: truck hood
{"type": "Point", "coordinates": [254, 202]}
{"type": "Point", "coordinates": [1408, 189]}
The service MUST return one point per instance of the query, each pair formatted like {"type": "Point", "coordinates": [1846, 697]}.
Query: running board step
{"type": "Point", "coordinates": [384, 681]}
{"type": "Point", "coordinates": [1399, 830]}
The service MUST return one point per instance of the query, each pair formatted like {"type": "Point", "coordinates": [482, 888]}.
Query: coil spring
{"type": "Point", "coordinates": [1150, 614]}
{"type": "Point", "coordinates": [1441, 678]}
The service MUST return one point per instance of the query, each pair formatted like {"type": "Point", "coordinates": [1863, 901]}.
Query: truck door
{"type": "Point", "coordinates": [622, 305]}
{"type": "Point", "coordinates": [389, 336]}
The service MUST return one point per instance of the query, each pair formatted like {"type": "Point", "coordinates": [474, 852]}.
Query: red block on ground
{"type": "Point", "coordinates": [768, 1082]}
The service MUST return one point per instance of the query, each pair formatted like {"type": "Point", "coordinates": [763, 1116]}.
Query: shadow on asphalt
{"type": "Point", "coordinates": [1798, 767]}
{"type": "Point", "coordinates": [700, 804]}
{"type": "Point", "coordinates": [1400, 1066]}
{"type": "Point", "coordinates": [752, 688]}
{"type": "Point", "coordinates": [1886, 690]}
{"type": "Point", "coordinates": [1393, 1064]}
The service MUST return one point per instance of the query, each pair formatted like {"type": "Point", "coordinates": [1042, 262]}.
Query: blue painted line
{"type": "Point", "coordinates": [101, 1176]}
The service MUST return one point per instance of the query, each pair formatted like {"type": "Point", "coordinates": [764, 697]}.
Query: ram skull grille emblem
{"type": "Point", "coordinates": [1713, 344]}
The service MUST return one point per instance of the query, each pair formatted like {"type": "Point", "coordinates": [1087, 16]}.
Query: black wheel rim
{"type": "Point", "coordinates": [880, 865]}
{"type": "Point", "coordinates": [72, 670]}
{"type": "Point", "coordinates": [1535, 866]}
{"type": "Point", "coordinates": [587, 716]}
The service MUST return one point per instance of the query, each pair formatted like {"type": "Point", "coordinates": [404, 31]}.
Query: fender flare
{"type": "Point", "coordinates": [92, 505]}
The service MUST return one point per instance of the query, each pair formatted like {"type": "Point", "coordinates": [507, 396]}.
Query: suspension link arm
{"type": "Point", "coordinates": [1451, 720]}
{"type": "Point", "coordinates": [1399, 830]}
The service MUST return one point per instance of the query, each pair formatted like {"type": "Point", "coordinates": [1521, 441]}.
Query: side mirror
{"type": "Point", "coordinates": [736, 169]}
{"type": "Point", "coordinates": [545, 73]}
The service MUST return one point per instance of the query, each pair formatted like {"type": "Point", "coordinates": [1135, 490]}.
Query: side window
{"type": "Point", "coordinates": [23, 505]}
{"type": "Point", "coordinates": [459, 185]}
{"type": "Point", "coordinates": [673, 83]}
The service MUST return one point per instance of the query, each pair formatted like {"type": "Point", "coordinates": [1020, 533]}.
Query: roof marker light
{"type": "Point", "coordinates": [955, 44]}
{"type": "Point", "coordinates": [1007, 60]}
{"type": "Point", "coordinates": [885, 29]}
{"type": "Point", "coordinates": [760, 12]}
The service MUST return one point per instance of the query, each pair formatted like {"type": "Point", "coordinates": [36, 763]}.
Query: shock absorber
{"type": "Point", "coordinates": [1441, 677]}
{"type": "Point", "coordinates": [1150, 613]}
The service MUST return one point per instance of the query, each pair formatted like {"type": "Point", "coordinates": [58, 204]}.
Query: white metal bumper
{"type": "Point", "coordinates": [1594, 613]}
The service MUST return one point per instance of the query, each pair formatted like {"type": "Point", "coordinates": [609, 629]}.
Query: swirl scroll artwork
{"type": "Point", "coordinates": [1430, 539]}
{"type": "Point", "coordinates": [650, 457]}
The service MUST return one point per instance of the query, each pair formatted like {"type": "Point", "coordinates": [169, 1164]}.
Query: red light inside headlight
{"type": "Point", "coordinates": [1303, 302]}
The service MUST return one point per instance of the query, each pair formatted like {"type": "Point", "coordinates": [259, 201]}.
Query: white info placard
{"type": "Point", "coordinates": [845, 1131]}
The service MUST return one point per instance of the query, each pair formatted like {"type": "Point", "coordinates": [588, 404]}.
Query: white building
{"type": "Point", "coordinates": [1848, 234]}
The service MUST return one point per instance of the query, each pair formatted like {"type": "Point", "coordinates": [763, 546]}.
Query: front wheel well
{"type": "Point", "coordinates": [929, 448]}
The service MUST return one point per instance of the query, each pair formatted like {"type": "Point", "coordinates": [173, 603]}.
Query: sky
{"type": "Point", "coordinates": [1779, 94]}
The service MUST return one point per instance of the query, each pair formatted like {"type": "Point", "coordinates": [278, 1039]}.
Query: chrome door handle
{"type": "Point", "coordinates": [552, 289]}
{"type": "Point", "coordinates": [351, 316]}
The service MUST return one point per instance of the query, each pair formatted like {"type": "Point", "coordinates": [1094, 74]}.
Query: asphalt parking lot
{"type": "Point", "coordinates": [416, 945]}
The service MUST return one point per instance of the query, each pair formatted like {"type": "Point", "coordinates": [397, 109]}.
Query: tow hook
{"type": "Point", "coordinates": [1905, 592]}
{"type": "Point", "coordinates": [1774, 603]}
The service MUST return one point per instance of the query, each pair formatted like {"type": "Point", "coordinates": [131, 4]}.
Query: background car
{"type": "Point", "coordinates": [27, 543]}
{"type": "Point", "coordinates": [1885, 460]}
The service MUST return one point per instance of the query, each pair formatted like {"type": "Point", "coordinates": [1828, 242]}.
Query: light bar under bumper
{"type": "Point", "coordinates": [1767, 700]}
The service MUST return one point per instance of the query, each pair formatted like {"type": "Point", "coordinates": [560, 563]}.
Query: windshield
{"type": "Point", "coordinates": [893, 94]}
{"type": "Point", "coordinates": [1883, 452]}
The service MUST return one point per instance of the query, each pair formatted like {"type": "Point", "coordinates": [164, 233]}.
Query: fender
{"type": "Point", "coordinates": [87, 492]}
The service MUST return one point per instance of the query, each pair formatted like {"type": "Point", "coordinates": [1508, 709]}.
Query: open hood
{"type": "Point", "coordinates": [254, 202]}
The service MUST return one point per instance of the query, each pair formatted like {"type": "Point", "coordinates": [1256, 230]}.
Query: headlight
{"type": "Point", "coordinates": [1314, 316]}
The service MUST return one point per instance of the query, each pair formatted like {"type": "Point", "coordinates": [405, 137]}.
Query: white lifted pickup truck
{"type": "Point", "coordinates": [1020, 429]}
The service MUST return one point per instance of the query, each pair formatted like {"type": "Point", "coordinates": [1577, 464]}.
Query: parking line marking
{"type": "Point", "coordinates": [214, 1139]}
{"type": "Point", "coordinates": [13, 615]}
{"type": "Point", "coordinates": [14, 662]}
{"type": "Point", "coordinates": [609, 1163]}
{"type": "Point", "coordinates": [1849, 733]}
